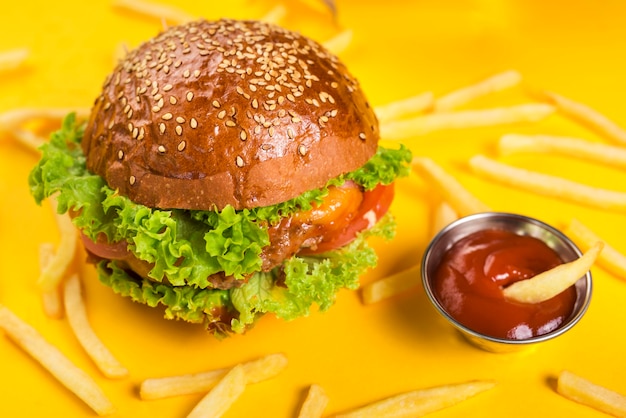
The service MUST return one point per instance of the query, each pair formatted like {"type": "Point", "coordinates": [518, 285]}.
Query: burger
{"type": "Point", "coordinates": [228, 169]}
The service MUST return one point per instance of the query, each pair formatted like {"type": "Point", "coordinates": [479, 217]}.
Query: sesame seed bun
{"type": "Point", "coordinates": [240, 113]}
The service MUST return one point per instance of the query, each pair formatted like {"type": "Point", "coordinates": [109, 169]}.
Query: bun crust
{"type": "Point", "coordinates": [238, 113]}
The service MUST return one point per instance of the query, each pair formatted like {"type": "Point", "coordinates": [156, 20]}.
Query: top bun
{"type": "Point", "coordinates": [240, 113]}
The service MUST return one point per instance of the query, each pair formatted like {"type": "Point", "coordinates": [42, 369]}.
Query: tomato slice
{"type": "Point", "coordinates": [373, 207]}
{"type": "Point", "coordinates": [103, 249]}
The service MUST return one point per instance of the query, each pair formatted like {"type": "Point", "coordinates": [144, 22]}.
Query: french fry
{"type": "Point", "coordinates": [571, 147]}
{"type": "Point", "coordinates": [391, 285]}
{"type": "Point", "coordinates": [406, 107]}
{"type": "Point", "coordinates": [222, 396]}
{"type": "Point", "coordinates": [340, 42]}
{"type": "Point", "coordinates": [120, 52]}
{"type": "Point", "coordinates": [322, 6]}
{"type": "Point", "coordinates": [443, 215]}
{"type": "Point", "coordinates": [424, 124]}
{"type": "Point", "coordinates": [420, 402]}
{"type": "Point", "coordinates": [72, 377]}
{"type": "Point", "coordinates": [13, 59]}
{"type": "Point", "coordinates": [51, 276]}
{"type": "Point", "coordinates": [256, 371]}
{"type": "Point", "coordinates": [12, 119]}
{"type": "Point", "coordinates": [315, 403]}
{"type": "Point", "coordinates": [160, 11]}
{"type": "Point", "coordinates": [275, 15]}
{"type": "Point", "coordinates": [52, 303]}
{"type": "Point", "coordinates": [550, 283]}
{"type": "Point", "coordinates": [548, 185]}
{"type": "Point", "coordinates": [453, 192]}
{"type": "Point", "coordinates": [581, 390]}
{"type": "Point", "coordinates": [29, 139]}
{"type": "Point", "coordinates": [587, 116]}
{"type": "Point", "coordinates": [77, 318]}
{"type": "Point", "coordinates": [610, 259]}
{"type": "Point", "coordinates": [485, 87]}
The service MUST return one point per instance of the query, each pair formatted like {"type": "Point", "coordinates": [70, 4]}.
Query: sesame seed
{"type": "Point", "coordinates": [239, 161]}
{"type": "Point", "coordinates": [156, 109]}
{"type": "Point", "coordinates": [167, 116]}
{"type": "Point", "coordinates": [120, 154]}
{"type": "Point", "coordinates": [173, 100]}
{"type": "Point", "coordinates": [221, 114]}
{"type": "Point", "coordinates": [302, 150]}
{"type": "Point", "coordinates": [181, 145]}
{"type": "Point", "coordinates": [180, 119]}
{"type": "Point", "coordinates": [189, 96]}
{"type": "Point", "coordinates": [243, 135]}
{"type": "Point", "coordinates": [362, 136]}
{"type": "Point", "coordinates": [161, 149]}
{"type": "Point", "coordinates": [168, 87]}
{"type": "Point", "coordinates": [216, 104]}
{"type": "Point", "coordinates": [132, 180]}
{"type": "Point", "coordinates": [162, 128]}
{"type": "Point", "coordinates": [230, 123]}
{"type": "Point", "coordinates": [179, 130]}
{"type": "Point", "coordinates": [193, 123]}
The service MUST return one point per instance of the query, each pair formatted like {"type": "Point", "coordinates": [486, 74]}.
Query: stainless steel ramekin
{"type": "Point", "coordinates": [521, 225]}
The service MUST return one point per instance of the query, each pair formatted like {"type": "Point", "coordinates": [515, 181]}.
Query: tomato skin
{"type": "Point", "coordinates": [373, 207]}
{"type": "Point", "coordinates": [103, 249]}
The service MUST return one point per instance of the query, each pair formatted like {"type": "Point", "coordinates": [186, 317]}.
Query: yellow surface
{"type": "Point", "coordinates": [356, 353]}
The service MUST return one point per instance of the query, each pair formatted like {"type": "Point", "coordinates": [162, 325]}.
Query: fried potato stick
{"type": "Point", "coordinates": [13, 58]}
{"type": "Point", "coordinates": [443, 215]}
{"type": "Point", "coordinates": [275, 15]}
{"type": "Point", "coordinates": [51, 276]}
{"type": "Point", "coordinates": [548, 185]}
{"type": "Point", "coordinates": [13, 119]}
{"type": "Point", "coordinates": [493, 84]}
{"type": "Point", "coordinates": [405, 107]}
{"type": "Point", "coordinates": [458, 197]}
{"type": "Point", "coordinates": [390, 286]}
{"type": "Point", "coordinates": [160, 11]}
{"type": "Point", "coordinates": [256, 371]}
{"type": "Point", "coordinates": [550, 283]}
{"type": "Point", "coordinates": [72, 377]}
{"type": "Point", "coordinates": [222, 396]}
{"type": "Point", "coordinates": [340, 42]}
{"type": "Point", "coordinates": [463, 119]}
{"type": "Point", "coordinates": [77, 318]}
{"type": "Point", "coordinates": [570, 147]}
{"type": "Point", "coordinates": [420, 402]}
{"type": "Point", "coordinates": [610, 259]}
{"type": "Point", "coordinates": [587, 116]}
{"type": "Point", "coordinates": [51, 300]}
{"type": "Point", "coordinates": [581, 390]}
{"type": "Point", "coordinates": [315, 403]}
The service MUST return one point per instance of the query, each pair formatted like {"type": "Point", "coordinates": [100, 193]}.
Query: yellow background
{"type": "Point", "coordinates": [357, 353]}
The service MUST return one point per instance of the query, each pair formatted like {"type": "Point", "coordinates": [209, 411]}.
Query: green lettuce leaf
{"type": "Point", "coordinates": [308, 281]}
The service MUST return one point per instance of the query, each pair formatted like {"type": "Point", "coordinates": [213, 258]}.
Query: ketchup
{"type": "Point", "coordinates": [469, 282]}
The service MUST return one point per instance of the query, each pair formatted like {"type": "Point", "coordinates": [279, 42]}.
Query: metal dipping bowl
{"type": "Point", "coordinates": [521, 225]}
